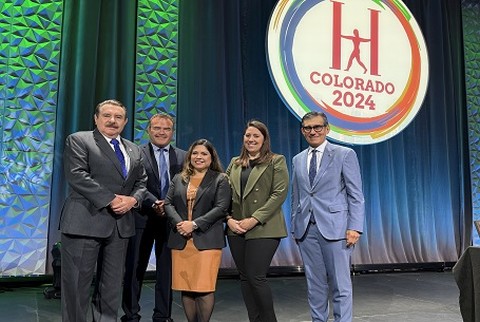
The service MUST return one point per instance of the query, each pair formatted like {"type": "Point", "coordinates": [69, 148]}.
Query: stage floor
{"type": "Point", "coordinates": [378, 297]}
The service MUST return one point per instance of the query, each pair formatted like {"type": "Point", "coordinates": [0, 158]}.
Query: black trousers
{"type": "Point", "coordinates": [138, 256]}
{"type": "Point", "coordinates": [252, 258]}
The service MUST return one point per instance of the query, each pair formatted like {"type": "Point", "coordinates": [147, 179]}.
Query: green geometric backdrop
{"type": "Point", "coordinates": [156, 75]}
{"type": "Point", "coordinates": [30, 34]}
{"type": "Point", "coordinates": [29, 56]}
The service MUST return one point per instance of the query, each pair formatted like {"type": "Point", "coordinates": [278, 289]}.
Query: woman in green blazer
{"type": "Point", "coordinates": [259, 181]}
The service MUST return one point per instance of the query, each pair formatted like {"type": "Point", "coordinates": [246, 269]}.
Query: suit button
{"type": "Point", "coordinates": [256, 189]}
{"type": "Point", "coordinates": [311, 195]}
{"type": "Point", "coordinates": [255, 201]}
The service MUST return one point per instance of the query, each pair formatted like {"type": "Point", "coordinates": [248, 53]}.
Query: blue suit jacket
{"type": "Point", "coordinates": [336, 198]}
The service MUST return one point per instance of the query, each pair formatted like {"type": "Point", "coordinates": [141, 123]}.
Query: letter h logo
{"type": "Point", "coordinates": [356, 41]}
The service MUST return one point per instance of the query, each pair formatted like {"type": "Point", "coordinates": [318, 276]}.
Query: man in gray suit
{"type": "Point", "coordinates": [107, 179]}
{"type": "Point", "coordinates": [327, 217]}
{"type": "Point", "coordinates": [151, 224]}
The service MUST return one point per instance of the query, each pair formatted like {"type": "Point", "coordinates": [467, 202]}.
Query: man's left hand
{"type": "Point", "coordinates": [352, 237]}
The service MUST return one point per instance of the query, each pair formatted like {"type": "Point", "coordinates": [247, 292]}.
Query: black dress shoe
{"type": "Point", "coordinates": [163, 320]}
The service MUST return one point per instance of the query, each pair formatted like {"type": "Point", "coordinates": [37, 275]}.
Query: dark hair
{"type": "Point", "coordinates": [109, 102]}
{"type": "Point", "coordinates": [266, 153]}
{"type": "Point", "coordinates": [311, 115]}
{"type": "Point", "coordinates": [188, 169]}
{"type": "Point", "coordinates": [162, 116]}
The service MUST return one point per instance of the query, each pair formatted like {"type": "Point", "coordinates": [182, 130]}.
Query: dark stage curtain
{"type": "Point", "coordinates": [416, 185]}
{"type": "Point", "coordinates": [97, 63]}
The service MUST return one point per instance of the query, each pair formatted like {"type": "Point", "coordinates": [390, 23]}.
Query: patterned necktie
{"type": "Point", "coordinates": [312, 171]}
{"type": "Point", "coordinates": [120, 156]}
{"type": "Point", "coordinates": [163, 172]}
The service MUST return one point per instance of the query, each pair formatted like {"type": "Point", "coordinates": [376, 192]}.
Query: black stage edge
{"type": "Point", "coordinates": [282, 271]}
{"type": "Point", "coordinates": [9, 282]}
{"type": "Point", "coordinates": [402, 267]}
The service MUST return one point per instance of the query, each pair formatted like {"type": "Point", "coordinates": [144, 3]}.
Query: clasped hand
{"type": "Point", "coordinates": [158, 207]}
{"type": "Point", "coordinates": [121, 204]}
{"type": "Point", "coordinates": [240, 227]}
{"type": "Point", "coordinates": [185, 228]}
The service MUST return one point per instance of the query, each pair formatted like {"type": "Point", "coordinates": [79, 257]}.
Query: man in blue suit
{"type": "Point", "coordinates": [327, 217]}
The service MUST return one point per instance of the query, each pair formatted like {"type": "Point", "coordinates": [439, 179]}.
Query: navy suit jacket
{"type": "Point", "coordinates": [176, 157]}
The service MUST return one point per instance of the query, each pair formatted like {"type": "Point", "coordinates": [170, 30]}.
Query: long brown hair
{"type": "Point", "coordinates": [266, 153]}
{"type": "Point", "coordinates": [188, 169]}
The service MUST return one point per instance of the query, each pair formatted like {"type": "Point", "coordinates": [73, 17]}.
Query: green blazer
{"type": "Point", "coordinates": [264, 194]}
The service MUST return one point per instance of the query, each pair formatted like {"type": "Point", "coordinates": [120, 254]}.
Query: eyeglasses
{"type": "Point", "coordinates": [316, 128]}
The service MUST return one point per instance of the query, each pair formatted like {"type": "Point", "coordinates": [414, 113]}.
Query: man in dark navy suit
{"type": "Point", "coordinates": [162, 161]}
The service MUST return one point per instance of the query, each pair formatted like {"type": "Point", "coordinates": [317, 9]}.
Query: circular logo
{"type": "Point", "coordinates": [363, 63]}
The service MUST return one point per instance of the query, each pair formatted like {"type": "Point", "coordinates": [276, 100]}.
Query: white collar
{"type": "Point", "coordinates": [320, 148]}
{"type": "Point", "coordinates": [118, 138]}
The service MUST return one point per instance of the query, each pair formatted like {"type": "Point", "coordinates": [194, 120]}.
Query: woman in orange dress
{"type": "Point", "coordinates": [196, 206]}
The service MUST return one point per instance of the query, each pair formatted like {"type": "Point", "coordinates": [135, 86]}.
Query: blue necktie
{"type": "Point", "coordinates": [163, 172]}
{"type": "Point", "coordinates": [120, 156]}
{"type": "Point", "coordinates": [312, 171]}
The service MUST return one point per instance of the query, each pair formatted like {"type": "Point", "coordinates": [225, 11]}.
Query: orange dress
{"type": "Point", "coordinates": [192, 269]}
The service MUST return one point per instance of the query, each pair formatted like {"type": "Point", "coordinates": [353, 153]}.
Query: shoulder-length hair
{"type": "Point", "coordinates": [188, 170]}
{"type": "Point", "coordinates": [266, 153]}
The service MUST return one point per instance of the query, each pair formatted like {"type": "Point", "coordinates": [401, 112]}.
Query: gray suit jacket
{"type": "Point", "coordinates": [209, 211]}
{"type": "Point", "coordinates": [95, 176]}
{"type": "Point", "coordinates": [336, 198]}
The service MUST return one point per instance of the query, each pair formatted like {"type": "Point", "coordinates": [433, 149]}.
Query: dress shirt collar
{"type": "Point", "coordinates": [119, 139]}
{"type": "Point", "coordinates": [320, 148]}
{"type": "Point", "coordinates": [155, 147]}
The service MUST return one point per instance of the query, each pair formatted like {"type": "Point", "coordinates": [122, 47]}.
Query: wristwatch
{"type": "Point", "coordinates": [194, 225]}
